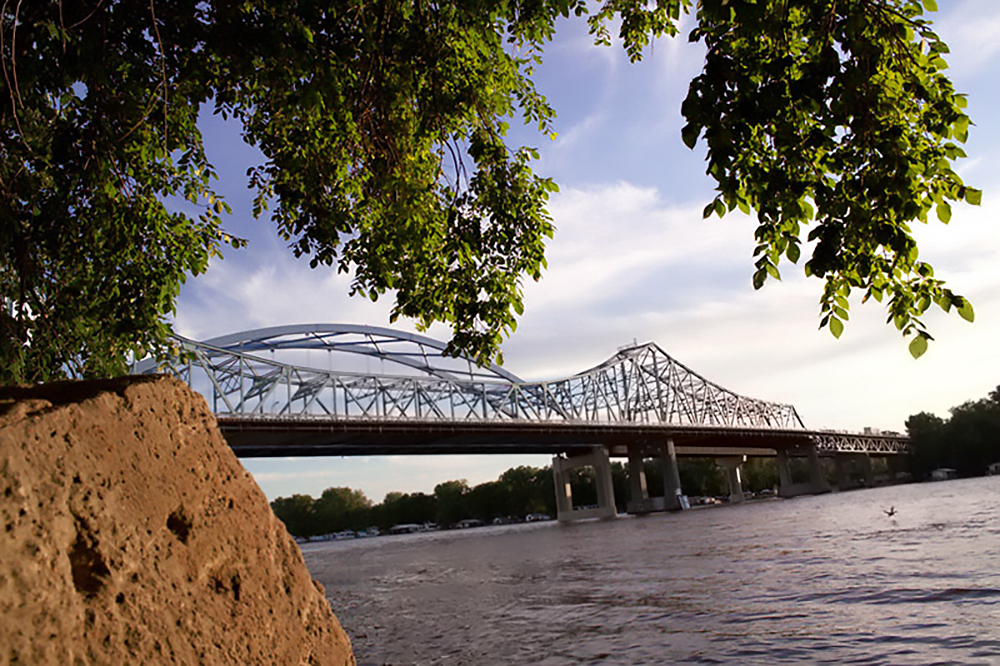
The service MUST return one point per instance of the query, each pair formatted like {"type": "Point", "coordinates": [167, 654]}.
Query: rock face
{"type": "Point", "coordinates": [130, 534]}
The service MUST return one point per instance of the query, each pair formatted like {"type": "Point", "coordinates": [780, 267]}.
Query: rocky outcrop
{"type": "Point", "coordinates": [132, 535]}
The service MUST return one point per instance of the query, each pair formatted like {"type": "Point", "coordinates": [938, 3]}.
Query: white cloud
{"type": "Point", "coordinates": [970, 29]}
{"type": "Point", "coordinates": [627, 265]}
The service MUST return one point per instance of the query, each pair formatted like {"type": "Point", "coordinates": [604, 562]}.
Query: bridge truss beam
{"type": "Point", "coordinates": [266, 382]}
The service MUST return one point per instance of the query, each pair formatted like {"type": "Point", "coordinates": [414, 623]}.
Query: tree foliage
{"type": "Point", "coordinates": [836, 114]}
{"type": "Point", "coordinates": [518, 492]}
{"type": "Point", "coordinates": [968, 441]}
{"type": "Point", "coordinates": [298, 514]}
{"type": "Point", "coordinates": [383, 128]}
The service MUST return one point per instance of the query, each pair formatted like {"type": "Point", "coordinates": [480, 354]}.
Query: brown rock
{"type": "Point", "coordinates": [130, 534]}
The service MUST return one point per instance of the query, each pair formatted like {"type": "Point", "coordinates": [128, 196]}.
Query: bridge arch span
{"type": "Point", "coordinates": [402, 349]}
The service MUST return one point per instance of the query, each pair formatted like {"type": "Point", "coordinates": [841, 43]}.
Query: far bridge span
{"type": "Point", "coordinates": [351, 390]}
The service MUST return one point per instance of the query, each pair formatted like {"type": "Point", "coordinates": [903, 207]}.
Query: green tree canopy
{"type": "Point", "coordinates": [383, 128]}
{"type": "Point", "coordinates": [968, 441]}
{"type": "Point", "coordinates": [298, 514]}
{"type": "Point", "coordinates": [452, 501]}
{"type": "Point", "coordinates": [339, 509]}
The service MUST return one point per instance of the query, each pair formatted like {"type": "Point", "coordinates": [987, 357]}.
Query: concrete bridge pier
{"type": "Point", "coordinates": [898, 469]}
{"type": "Point", "coordinates": [816, 484]}
{"type": "Point", "coordinates": [673, 496]}
{"type": "Point", "coordinates": [639, 499]}
{"type": "Point", "coordinates": [732, 465]}
{"type": "Point", "coordinates": [561, 468]}
{"type": "Point", "coordinates": [858, 462]}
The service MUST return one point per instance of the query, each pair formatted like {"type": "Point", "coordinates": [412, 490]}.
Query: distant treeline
{"type": "Point", "coordinates": [518, 492]}
{"type": "Point", "coordinates": [968, 441]}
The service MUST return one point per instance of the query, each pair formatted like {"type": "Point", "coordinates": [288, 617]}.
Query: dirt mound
{"type": "Point", "coordinates": [131, 534]}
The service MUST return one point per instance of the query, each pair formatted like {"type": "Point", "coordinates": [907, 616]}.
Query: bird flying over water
{"type": "Point", "coordinates": [891, 511]}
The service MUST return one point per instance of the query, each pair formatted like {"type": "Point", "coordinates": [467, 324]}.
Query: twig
{"type": "Point", "coordinates": [163, 73]}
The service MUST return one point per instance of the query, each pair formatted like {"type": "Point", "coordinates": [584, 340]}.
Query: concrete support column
{"type": "Point", "coordinates": [859, 463]}
{"type": "Point", "coordinates": [732, 465]}
{"type": "Point", "coordinates": [638, 490]}
{"type": "Point", "coordinates": [815, 485]}
{"type": "Point", "coordinates": [897, 466]}
{"type": "Point", "coordinates": [866, 470]}
{"type": "Point", "coordinates": [673, 496]}
{"type": "Point", "coordinates": [842, 462]}
{"type": "Point", "coordinates": [816, 478]}
{"type": "Point", "coordinates": [784, 474]}
{"type": "Point", "coordinates": [600, 461]}
{"type": "Point", "coordinates": [637, 474]}
{"type": "Point", "coordinates": [564, 490]}
{"type": "Point", "coordinates": [605, 484]}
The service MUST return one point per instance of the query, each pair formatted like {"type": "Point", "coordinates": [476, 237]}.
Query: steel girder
{"type": "Point", "coordinates": [839, 442]}
{"type": "Point", "coordinates": [241, 375]}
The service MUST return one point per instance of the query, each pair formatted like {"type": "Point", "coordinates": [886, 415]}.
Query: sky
{"type": "Point", "coordinates": [633, 260]}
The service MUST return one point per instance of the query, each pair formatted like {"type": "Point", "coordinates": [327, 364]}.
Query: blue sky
{"type": "Point", "coordinates": [632, 259]}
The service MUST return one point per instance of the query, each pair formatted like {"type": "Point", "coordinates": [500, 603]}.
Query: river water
{"type": "Point", "coordinates": [829, 579]}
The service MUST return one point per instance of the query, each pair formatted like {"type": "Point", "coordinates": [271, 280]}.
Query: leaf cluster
{"type": "Point", "coordinates": [97, 132]}
{"type": "Point", "coordinates": [836, 114]}
{"type": "Point", "coordinates": [383, 125]}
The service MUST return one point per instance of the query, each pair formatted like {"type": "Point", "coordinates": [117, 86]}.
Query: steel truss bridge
{"type": "Point", "coordinates": [338, 389]}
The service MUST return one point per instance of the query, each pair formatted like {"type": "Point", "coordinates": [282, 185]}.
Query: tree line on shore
{"type": "Point", "coordinates": [518, 492]}
{"type": "Point", "coordinates": [967, 442]}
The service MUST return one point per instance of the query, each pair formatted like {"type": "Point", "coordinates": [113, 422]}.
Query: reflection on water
{"type": "Point", "coordinates": [826, 580]}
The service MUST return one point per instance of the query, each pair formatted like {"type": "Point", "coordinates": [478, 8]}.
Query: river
{"type": "Point", "coordinates": [830, 579]}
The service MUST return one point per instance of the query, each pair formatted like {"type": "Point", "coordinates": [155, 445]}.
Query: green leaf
{"type": "Point", "coordinates": [966, 312]}
{"type": "Point", "coordinates": [961, 129]}
{"type": "Point", "coordinates": [793, 252]}
{"type": "Point", "coordinates": [720, 208]}
{"type": "Point", "coordinates": [918, 346]}
{"type": "Point", "coordinates": [930, 5]}
{"type": "Point", "coordinates": [973, 196]}
{"type": "Point", "coordinates": [836, 327]}
{"type": "Point", "coordinates": [944, 212]}
{"type": "Point", "coordinates": [689, 135]}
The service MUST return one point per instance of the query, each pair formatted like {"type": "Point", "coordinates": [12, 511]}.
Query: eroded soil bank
{"type": "Point", "coordinates": [131, 534]}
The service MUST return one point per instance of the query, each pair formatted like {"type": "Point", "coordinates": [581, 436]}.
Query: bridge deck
{"type": "Point", "coordinates": [281, 437]}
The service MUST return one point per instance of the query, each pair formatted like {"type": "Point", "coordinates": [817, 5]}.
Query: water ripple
{"type": "Point", "coordinates": [822, 580]}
